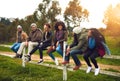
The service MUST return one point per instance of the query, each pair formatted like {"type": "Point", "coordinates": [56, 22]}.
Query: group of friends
{"type": "Point", "coordinates": [87, 42]}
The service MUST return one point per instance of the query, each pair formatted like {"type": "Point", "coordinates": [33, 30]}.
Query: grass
{"type": "Point", "coordinates": [11, 70]}
{"type": "Point", "coordinates": [100, 60]}
{"type": "Point", "coordinates": [114, 45]}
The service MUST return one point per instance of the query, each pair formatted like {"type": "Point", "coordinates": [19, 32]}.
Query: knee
{"type": "Point", "coordinates": [92, 58]}
{"type": "Point", "coordinates": [85, 56]}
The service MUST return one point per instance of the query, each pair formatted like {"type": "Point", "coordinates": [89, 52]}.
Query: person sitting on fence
{"type": "Point", "coordinates": [21, 36]}
{"type": "Point", "coordinates": [60, 35]}
{"type": "Point", "coordinates": [46, 41]}
{"type": "Point", "coordinates": [34, 37]}
{"type": "Point", "coordinates": [79, 48]}
{"type": "Point", "coordinates": [95, 49]}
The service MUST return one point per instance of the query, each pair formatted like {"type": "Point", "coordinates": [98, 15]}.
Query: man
{"type": "Point", "coordinates": [79, 48]}
{"type": "Point", "coordinates": [21, 36]}
{"type": "Point", "coordinates": [35, 36]}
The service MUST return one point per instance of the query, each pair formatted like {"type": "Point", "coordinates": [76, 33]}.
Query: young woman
{"type": "Point", "coordinates": [60, 35]}
{"type": "Point", "coordinates": [47, 39]}
{"type": "Point", "coordinates": [95, 49]}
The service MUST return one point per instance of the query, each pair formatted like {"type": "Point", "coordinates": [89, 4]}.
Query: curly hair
{"type": "Point", "coordinates": [60, 23]}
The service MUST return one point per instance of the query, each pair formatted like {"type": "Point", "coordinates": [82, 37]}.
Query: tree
{"type": "Point", "coordinates": [111, 19]}
{"type": "Point", "coordinates": [47, 12]}
{"type": "Point", "coordinates": [74, 14]}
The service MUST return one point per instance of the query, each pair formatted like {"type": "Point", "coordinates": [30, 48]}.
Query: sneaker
{"type": "Point", "coordinates": [65, 62]}
{"type": "Point", "coordinates": [88, 69]}
{"type": "Point", "coordinates": [76, 67]}
{"type": "Point", "coordinates": [41, 61]}
{"type": "Point", "coordinates": [17, 56]}
{"type": "Point", "coordinates": [97, 71]}
{"type": "Point", "coordinates": [56, 62]}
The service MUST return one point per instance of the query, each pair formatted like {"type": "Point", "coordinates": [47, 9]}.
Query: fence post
{"type": "Point", "coordinates": [64, 66]}
{"type": "Point", "coordinates": [23, 58]}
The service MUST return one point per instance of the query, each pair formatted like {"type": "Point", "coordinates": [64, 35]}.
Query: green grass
{"type": "Point", "coordinates": [114, 45]}
{"type": "Point", "coordinates": [5, 49]}
{"type": "Point", "coordinates": [11, 70]}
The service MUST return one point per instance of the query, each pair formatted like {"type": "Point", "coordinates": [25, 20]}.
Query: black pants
{"type": "Point", "coordinates": [92, 54]}
{"type": "Point", "coordinates": [41, 48]}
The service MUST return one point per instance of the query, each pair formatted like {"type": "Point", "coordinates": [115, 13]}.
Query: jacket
{"type": "Point", "coordinates": [35, 36]}
{"type": "Point", "coordinates": [21, 37]}
{"type": "Point", "coordinates": [82, 41]}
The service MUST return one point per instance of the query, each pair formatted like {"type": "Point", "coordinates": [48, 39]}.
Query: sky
{"type": "Point", "coordinates": [22, 8]}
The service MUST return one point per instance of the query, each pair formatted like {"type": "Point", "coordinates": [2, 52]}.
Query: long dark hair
{"type": "Point", "coordinates": [58, 23]}
{"type": "Point", "coordinates": [97, 35]}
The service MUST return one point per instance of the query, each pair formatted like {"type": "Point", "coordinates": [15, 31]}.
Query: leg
{"type": "Point", "coordinates": [74, 53]}
{"type": "Point", "coordinates": [21, 48]}
{"type": "Point", "coordinates": [33, 50]}
{"type": "Point", "coordinates": [86, 58]}
{"type": "Point", "coordinates": [50, 51]}
{"type": "Point", "coordinates": [13, 47]}
{"type": "Point", "coordinates": [31, 45]}
{"type": "Point", "coordinates": [94, 55]}
{"type": "Point", "coordinates": [92, 58]}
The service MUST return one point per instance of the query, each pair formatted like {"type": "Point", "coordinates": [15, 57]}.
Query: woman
{"type": "Point", "coordinates": [47, 39]}
{"type": "Point", "coordinates": [95, 49]}
{"type": "Point", "coordinates": [60, 35]}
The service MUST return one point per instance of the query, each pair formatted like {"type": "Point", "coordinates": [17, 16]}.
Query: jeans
{"type": "Point", "coordinates": [92, 54]}
{"type": "Point", "coordinates": [41, 48]}
{"type": "Point", "coordinates": [74, 53]}
{"type": "Point", "coordinates": [15, 47]}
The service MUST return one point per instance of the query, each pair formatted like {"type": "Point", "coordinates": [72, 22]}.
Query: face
{"type": "Point", "coordinates": [90, 33]}
{"type": "Point", "coordinates": [60, 27]}
{"type": "Point", "coordinates": [33, 28]}
{"type": "Point", "coordinates": [46, 28]}
{"type": "Point", "coordinates": [19, 29]}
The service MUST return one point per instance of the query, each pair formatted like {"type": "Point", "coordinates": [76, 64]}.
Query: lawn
{"type": "Point", "coordinates": [11, 70]}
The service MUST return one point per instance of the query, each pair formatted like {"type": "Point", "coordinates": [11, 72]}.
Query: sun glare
{"type": "Point", "coordinates": [96, 9]}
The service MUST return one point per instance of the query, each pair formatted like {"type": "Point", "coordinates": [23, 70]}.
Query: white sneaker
{"type": "Point", "coordinates": [88, 69]}
{"type": "Point", "coordinates": [56, 61]}
{"type": "Point", "coordinates": [97, 71]}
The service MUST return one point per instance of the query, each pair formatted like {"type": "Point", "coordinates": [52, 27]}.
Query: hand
{"type": "Point", "coordinates": [26, 43]}
{"type": "Point", "coordinates": [57, 44]}
{"type": "Point", "coordinates": [67, 51]}
{"type": "Point", "coordinates": [53, 47]}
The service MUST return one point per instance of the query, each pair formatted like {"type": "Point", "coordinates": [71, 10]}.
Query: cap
{"type": "Point", "coordinates": [33, 24]}
{"type": "Point", "coordinates": [19, 26]}
{"type": "Point", "coordinates": [77, 30]}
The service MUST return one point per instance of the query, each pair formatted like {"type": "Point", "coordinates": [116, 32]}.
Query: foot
{"type": "Point", "coordinates": [56, 62]}
{"type": "Point", "coordinates": [65, 62]}
{"type": "Point", "coordinates": [17, 56]}
{"type": "Point", "coordinates": [97, 71]}
{"type": "Point", "coordinates": [41, 61]}
{"type": "Point", "coordinates": [76, 67]}
{"type": "Point", "coordinates": [88, 69]}
{"type": "Point", "coordinates": [27, 58]}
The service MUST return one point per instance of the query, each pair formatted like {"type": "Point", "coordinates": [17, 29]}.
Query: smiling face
{"type": "Point", "coordinates": [33, 28]}
{"type": "Point", "coordinates": [19, 29]}
{"type": "Point", "coordinates": [60, 27]}
{"type": "Point", "coordinates": [46, 28]}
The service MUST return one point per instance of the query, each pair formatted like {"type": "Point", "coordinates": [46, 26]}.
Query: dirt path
{"type": "Point", "coordinates": [48, 59]}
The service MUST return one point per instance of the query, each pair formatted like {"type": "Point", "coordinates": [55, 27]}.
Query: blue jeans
{"type": "Point", "coordinates": [15, 47]}
{"type": "Point", "coordinates": [74, 53]}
